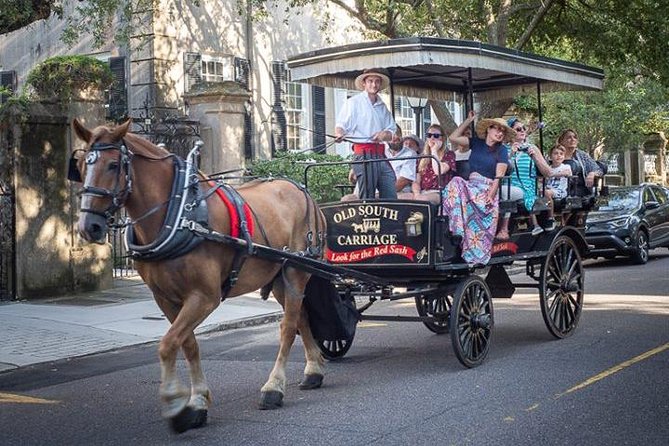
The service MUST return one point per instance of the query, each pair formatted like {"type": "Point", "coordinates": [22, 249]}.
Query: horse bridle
{"type": "Point", "coordinates": [117, 194]}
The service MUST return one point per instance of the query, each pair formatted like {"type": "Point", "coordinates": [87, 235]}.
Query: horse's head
{"type": "Point", "coordinates": [104, 170]}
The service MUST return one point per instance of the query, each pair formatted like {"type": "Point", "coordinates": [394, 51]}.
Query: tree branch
{"type": "Point", "coordinates": [538, 17]}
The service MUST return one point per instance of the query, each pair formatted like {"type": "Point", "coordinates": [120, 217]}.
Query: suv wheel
{"type": "Point", "coordinates": [640, 253]}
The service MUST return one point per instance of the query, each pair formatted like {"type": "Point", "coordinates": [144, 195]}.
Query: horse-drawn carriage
{"type": "Point", "coordinates": [197, 239]}
{"type": "Point", "coordinates": [407, 244]}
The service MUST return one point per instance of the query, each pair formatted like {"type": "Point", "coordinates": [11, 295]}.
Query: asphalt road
{"type": "Point", "coordinates": [399, 384]}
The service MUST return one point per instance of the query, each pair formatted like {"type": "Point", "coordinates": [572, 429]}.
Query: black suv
{"type": "Point", "coordinates": [629, 221]}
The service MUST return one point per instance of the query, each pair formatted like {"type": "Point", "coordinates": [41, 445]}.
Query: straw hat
{"type": "Point", "coordinates": [360, 80]}
{"type": "Point", "coordinates": [483, 124]}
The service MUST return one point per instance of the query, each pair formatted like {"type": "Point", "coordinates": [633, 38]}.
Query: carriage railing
{"type": "Point", "coordinates": [371, 161]}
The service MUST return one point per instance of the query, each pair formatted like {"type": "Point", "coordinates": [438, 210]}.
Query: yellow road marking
{"type": "Point", "coordinates": [371, 324]}
{"type": "Point", "coordinates": [532, 407]}
{"type": "Point", "coordinates": [615, 369]}
{"type": "Point", "coordinates": [22, 399]}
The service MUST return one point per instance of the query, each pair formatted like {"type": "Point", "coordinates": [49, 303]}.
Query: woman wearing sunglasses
{"type": "Point", "coordinates": [526, 159]}
{"type": "Point", "coordinates": [428, 186]}
{"type": "Point", "coordinates": [472, 205]}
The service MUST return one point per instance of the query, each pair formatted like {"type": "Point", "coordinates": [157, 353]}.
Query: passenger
{"type": "Point", "coordinates": [582, 165]}
{"type": "Point", "coordinates": [365, 119]}
{"type": "Point", "coordinates": [427, 186]}
{"type": "Point", "coordinates": [557, 184]}
{"type": "Point", "coordinates": [472, 205]}
{"type": "Point", "coordinates": [526, 159]}
{"type": "Point", "coordinates": [405, 169]}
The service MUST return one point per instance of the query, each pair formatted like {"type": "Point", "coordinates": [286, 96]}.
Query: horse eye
{"type": "Point", "coordinates": [113, 166]}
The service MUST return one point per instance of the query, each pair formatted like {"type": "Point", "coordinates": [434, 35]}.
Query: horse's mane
{"type": "Point", "coordinates": [143, 147]}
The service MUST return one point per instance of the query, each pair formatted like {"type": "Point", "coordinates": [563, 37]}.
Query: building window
{"type": "Point", "coordinates": [404, 116]}
{"type": "Point", "coordinates": [295, 99]}
{"type": "Point", "coordinates": [8, 80]}
{"type": "Point", "coordinates": [204, 68]}
{"type": "Point", "coordinates": [217, 69]}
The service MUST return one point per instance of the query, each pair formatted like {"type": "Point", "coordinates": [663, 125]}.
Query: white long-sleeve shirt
{"type": "Point", "coordinates": [360, 119]}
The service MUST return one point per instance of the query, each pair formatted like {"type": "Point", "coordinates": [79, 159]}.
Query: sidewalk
{"type": "Point", "coordinates": [44, 330]}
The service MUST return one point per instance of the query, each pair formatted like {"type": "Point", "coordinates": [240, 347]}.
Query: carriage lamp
{"type": "Point", "coordinates": [414, 224]}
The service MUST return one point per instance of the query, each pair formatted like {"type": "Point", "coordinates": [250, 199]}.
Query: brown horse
{"type": "Point", "coordinates": [120, 169]}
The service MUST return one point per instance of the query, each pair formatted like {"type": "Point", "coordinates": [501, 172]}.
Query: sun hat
{"type": "Point", "coordinates": [483, 125]}
{"type": "Point", "coordinates": [360, 80]}
{"type": "Point", "coordinates": [415, 139]}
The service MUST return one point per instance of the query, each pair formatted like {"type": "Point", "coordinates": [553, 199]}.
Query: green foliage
{"type": "Point", "coordinates": [321, 180]}
{"type": "Point", "coordinates": [14, 108]}
{"type": "Point", "coordinates": [616, 119]}
{"type": "Point", "coordinates": [59, 77]}
{"type": "Point", "coordinates": [19, 13]}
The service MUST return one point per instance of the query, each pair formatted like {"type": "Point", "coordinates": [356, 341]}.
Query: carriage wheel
{"type": "Point", "coordinates": [561, 287]}
{"type": "Point", "coordinates": [471, 321]}
{"type": "Point", "coordinates": [334, 349]}
{"type": "Point", "coordinates": [438, 307]}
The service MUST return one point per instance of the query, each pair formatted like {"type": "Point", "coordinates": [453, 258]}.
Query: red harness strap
{"type": "Point", "coordinates": [232, 210]}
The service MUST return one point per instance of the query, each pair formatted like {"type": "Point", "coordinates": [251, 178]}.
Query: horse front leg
{"type": "Point", "coordinates": [186, 409]}
{"type": "Point", "coordinates": [173, 395]}
{"type": "Point", "coordinates": [195, 413]}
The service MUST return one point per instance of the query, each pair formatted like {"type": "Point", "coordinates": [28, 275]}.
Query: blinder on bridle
{"type": "Point", "coordinates": [73, 173]}
{"type": "Point", "coordinates": [117, 195]}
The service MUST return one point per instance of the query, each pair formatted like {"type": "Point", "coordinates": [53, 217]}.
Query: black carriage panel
{"type": "Point", "coordinates": [380, 233]}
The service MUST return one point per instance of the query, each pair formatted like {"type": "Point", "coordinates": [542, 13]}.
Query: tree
{"type": "Point", "coordinates": [19, 13]}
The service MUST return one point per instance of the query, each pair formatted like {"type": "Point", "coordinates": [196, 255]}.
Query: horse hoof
{"type": "Point", "coordinates": [313, 381]}
{"type": "Point", "coordinates": [188, 419]}
{"type": "Point", "coordinates": [270, 400]}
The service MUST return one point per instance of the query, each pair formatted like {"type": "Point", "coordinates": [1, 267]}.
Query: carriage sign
{"type": "Point", "coordinates": [385, 233]}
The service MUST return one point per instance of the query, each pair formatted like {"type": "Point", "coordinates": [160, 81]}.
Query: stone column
{"type": "Point", "coordinates": [51, 260]}
{"type": "Point", "coordinates": [220, 108]}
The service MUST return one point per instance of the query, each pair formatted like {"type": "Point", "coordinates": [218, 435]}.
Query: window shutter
{"type": "Point", "coordinates": [279, 142]}
{"type": "Point", "coordinates": [242, 77]}
{"type": "Point", "coordinates": [242, 72]}
{"type": "Point", "coordinates": [192, 69]}
{"type": "Point", "coordinates": [318, 119]}
{"type": "Point", "coordinates": [118, 96]}
{"type": "Point", "coordinates": [7, 79]}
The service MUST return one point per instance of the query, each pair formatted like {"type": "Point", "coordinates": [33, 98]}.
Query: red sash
{"type": "Point", "coordinates": [373, 148]}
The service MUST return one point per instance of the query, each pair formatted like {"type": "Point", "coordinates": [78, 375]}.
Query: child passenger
{"type": "Point", "coordinates": [557, 183]}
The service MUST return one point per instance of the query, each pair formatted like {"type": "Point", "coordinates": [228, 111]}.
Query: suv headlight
{"type": "Point", "coordinates": [619, 222]}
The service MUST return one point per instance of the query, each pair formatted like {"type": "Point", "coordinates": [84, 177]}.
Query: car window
{"type": "Point", "coordinates": [660, 195]}
{"type": "Point", "coordinates": [618, 200]}
{"type": "Point", "coordinates": [648, 195]}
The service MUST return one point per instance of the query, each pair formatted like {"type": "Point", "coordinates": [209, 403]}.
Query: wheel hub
{"type": "Point", "coordinates": [480, 321]}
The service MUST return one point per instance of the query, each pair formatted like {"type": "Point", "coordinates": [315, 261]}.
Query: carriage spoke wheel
{"type": "Point", "coordinates": [334, 349]}
{"type": "Point", "coordinates": [561, 287]}
{"type": "Point", "coordinates": [438, 307]}
{"type": "Point", "coordinates": [471, 321]}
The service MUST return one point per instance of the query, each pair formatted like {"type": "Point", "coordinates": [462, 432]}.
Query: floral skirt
{"type": "Point", "coordinates": [470, 217]}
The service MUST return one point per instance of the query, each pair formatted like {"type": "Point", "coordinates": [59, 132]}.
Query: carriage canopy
{"type": "Point", "coordinates": [435, 68]}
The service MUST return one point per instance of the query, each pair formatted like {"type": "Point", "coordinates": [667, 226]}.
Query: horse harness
{"type": "Point", "coordinates": [186, 222]}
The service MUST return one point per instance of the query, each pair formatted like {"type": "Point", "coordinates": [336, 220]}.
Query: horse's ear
{"type": "Point", "coordinates": [121, 130]}
{"type": "Point", "coordinates": [82, 132]}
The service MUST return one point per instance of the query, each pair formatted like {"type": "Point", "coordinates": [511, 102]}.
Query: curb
{"type": "Point", "coordinates": [240, 323]}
